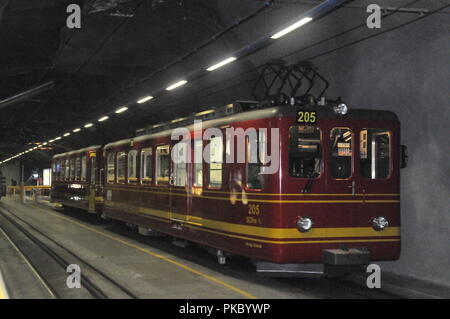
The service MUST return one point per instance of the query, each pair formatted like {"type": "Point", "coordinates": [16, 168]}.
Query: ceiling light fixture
{"type": "Point", "coordinates": [176, 85]}
{"type": "Point", "coordinates": [145, 99]}
{"type": "Point", "coordinates": [291, 28]}
{"type": "Point", "coordinates": [221, 64]}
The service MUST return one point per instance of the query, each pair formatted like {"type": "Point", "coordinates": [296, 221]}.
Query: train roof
{"type": "Point", "coordinates": [83, 150]}
{"type": "Point", "coordinates": [163, 130]}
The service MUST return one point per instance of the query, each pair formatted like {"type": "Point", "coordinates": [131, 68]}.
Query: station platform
{"type": "Point", "coordinates": [39, 241]}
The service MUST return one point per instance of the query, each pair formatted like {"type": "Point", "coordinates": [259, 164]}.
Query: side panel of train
{"type": "Point", "coordinates": [231, 206]}
{"type": "Point", "coordinates": [77, 179]}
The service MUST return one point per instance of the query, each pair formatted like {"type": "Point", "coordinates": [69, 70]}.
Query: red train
{"type": "Point", "coordinates": [335, 199]}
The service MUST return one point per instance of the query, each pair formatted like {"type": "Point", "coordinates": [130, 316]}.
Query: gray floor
{"type": "Point", "coordinates": [151, 267]}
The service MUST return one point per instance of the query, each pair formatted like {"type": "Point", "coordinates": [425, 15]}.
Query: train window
{"type": "Point", "coordinates": [83, 168]}
{"type": "Point", "coordinates": [374, 153]}
{"type": "Point", "coordinates": [254, 160]}
{"type": "Point", "coordinates": [67, 170]}
{"type": "Point", "coordinates": [77, 168]}
{"type": "Point", "coordinates": [179, 164]}
{"type": "Point", "coordinates": [146, 165]}
{"type": "Point", "coordinates": [162, 164]}
{"type": "Point", "coordinates": [121, 166]}
{"type": "Point", "coordinates": [58, 170]}
{"type": "Point", "coordinates": [305, 151]}
{"type": "Point", "coordinates": [341, 151]}
{"type": "Point", "coordinates": [132, 177]}
{"type": "Point", "coordinates": [215, 162]}
{"type": "Point", "coordinates": [110, 168]}
{"type": "Point", "coordinates": [94, 168]}
{"type": "Point", "coordinates": [198, 163]}
{"type": "Point", "coordinates": [72, 169]}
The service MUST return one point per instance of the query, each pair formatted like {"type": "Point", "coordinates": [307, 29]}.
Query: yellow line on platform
{"type": "Point", "coordinates": [3, 291]}
{"type": "Point", "coordinates": [148, 252]}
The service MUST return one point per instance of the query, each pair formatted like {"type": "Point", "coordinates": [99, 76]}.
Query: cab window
{"type": "Point", "coordinates": [341, 152]}
{"type": "Point", "coordinates": [375, 153]}
{"type": "Point", "coordinates": [110, 168]}
{"type": "Point", "coordinates": [162, 164]}
{"type": "Point", "coordinates": [305, 151]}
{"type": "Point", "coordinates": [121, 166]}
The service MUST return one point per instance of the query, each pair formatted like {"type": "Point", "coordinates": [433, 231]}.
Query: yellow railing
{"type": "Point", "coordinates": [34, 190]}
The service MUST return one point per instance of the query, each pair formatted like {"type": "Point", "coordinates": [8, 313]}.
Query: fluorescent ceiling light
{"type": "Point", "coordinates": [205, 112]}
{"type": "Point", "coordinates": [77, 130]}
{"type": "Point", "coordinates": [296, 25]}
{"type": "Point", "coordinates": [145, 99]}
{"type": "Point", "coordinates": [67, 134]}
{"type": "Point", "coordinates": [220, 64]}
{"type": "Point", "coordinates": [122, 109]}
{"type": "Point", "coordinates": [176, 85]}
{"type": "Point", "coordinates": [88, 125]}
{"type": "Point", "coordinates": [104, 118]}
{"type": "Point", "coordinates": [58, 138]}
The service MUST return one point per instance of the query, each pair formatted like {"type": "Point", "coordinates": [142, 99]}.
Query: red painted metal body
{"type": "Point", "coordinates": [261, 224]}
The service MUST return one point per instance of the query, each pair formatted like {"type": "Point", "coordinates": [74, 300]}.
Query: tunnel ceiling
{"type": "Point", "coordinates": [120, 42]}
{"type": "Point", "coordinates": [101, 66]}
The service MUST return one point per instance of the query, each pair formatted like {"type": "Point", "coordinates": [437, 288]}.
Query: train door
{"type": "Point", "coordinates": [342, 177]}
{"type": "Point", "coordinates": [378, 162]}
{"type": "Point", "coordinates": [180, 199]}
{"type": "Point", "coordinates": [162, 198]}
{"type": "Point", "coordinates": [91, 182]}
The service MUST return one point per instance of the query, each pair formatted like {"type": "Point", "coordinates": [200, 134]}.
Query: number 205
{"type": "Point", "coordinates": [306, 117]}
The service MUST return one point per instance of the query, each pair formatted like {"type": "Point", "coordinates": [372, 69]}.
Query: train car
{"type": "Point", "coordinates": [333, 199]}
{"type": "Point", "coordinates": [77, 179]}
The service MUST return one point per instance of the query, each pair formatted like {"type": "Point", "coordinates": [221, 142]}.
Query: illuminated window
{"type": "Point", "coordinates": [83, 168]}
{"type": "Point", "coordinates": [179, 164]}
{"type": "Point", "coordinates": [132, 177]}
{"type": "Point", "coordinates": [72, 169]}
{"type": "Point", "coordinates": [67, 170]}
{"type": "Point", "coordinates": [254, 159]}
{"type": "Point", "coordinates": [162, 164]}
{"type": "Point", "coordinates": [77, 168]}
{"type": "Point", "coordinates": [215, 160]}
{"type": "Point", "coordinates": [110, 168]}
{"type": "Point", "coordinates": [121, 166]}
{"type": "Point", "coordinates": [146, 165]}
{"type": "Point", "coordinates": [305, 151]}
{"type": "Point", "coordinates": [341, 151]}
{"type": "Point", "coordinates": [374, 153]}
{"type": "Point", "coordinates": [198, 163]}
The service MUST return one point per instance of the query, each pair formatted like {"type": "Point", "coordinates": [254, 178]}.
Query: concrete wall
{"type": "Point", "coordinates": [11, 170]}
{"type": "Point", "coordinates": [406, 71]}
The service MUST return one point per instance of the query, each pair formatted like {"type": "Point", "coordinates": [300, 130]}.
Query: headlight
{"type": "Point", "coordinates": [304, 224]}
{"type": "Point", "coordinates": [341, 109]}
{"type": "Point", "coordinates": [379, 223]}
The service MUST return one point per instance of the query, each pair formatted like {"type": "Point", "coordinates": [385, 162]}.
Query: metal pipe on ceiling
{"type": "Point", "coordinates": [22, 96]}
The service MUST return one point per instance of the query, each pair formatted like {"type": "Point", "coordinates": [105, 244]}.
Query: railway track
{"type": "Point", "coordinates": [240, 269]}
{"type": "Point", "coordinates": [48, 261]}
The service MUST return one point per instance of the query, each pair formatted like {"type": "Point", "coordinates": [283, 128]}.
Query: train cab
{"type": "Point", "coordinates": [78, 180]}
